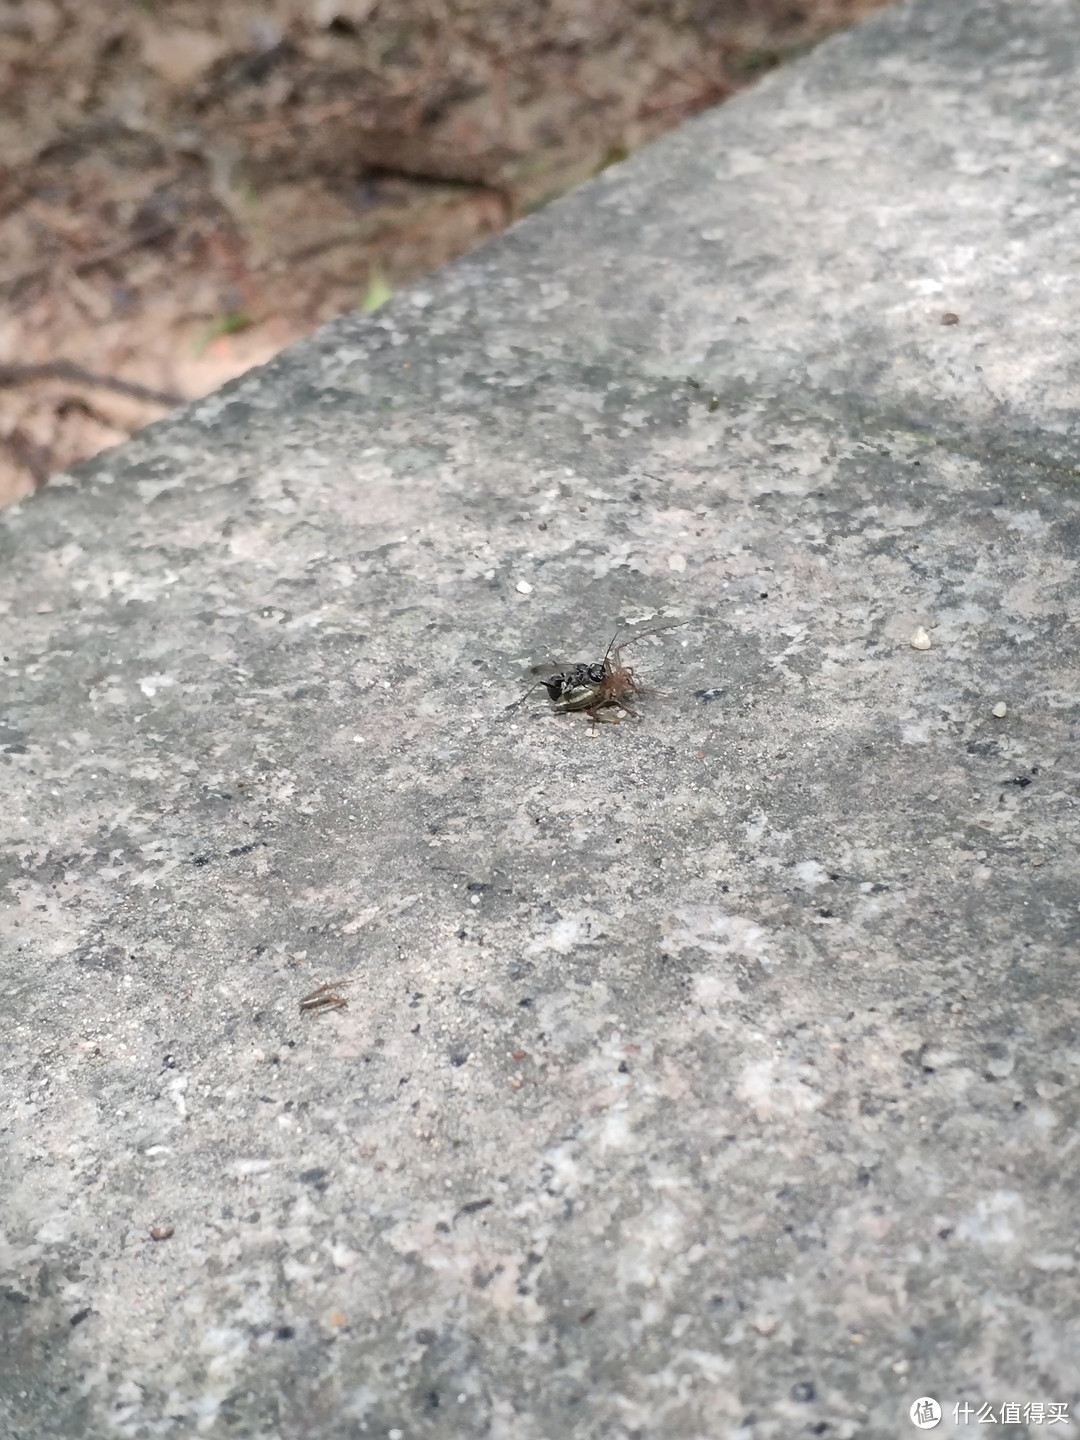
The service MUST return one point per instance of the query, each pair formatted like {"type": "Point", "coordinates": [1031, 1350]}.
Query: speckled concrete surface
{"type": "Point", "coordinates": [711, 1076]}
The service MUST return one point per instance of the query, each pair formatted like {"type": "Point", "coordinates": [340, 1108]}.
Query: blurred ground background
{"type": "Point", "coordinates": [187, 186]}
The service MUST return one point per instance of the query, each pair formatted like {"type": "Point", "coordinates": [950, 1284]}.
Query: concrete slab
{"type": "Point", "coordinates": [708, 1075]}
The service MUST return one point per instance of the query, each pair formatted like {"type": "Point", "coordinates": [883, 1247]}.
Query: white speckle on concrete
{"type": "Point", "coordinates": [562, 937]}
{"type": "Point", "coordinates": [993, 1220]}
{"type": "Point", "coordinates": [151, 684]}
{"type": "Point", "coordinates": [251, 1166]}
{"type": "Point", "coordinates": [1052, 1262]}
{"type": "Point", "coordinates": [811, 873]}
{"type": "Point", "coordinates": [176, 1087]}
{"type": "Point", "coordinates": [775, 1089]}
{"type": "Point", "coordinates": [677, 563]}
{"type": "Point", "coordinates": [918, 734]}
{"type": "Point", "coordinates": [920, 640]}
{"type": "Point", "coordinates": [54, 1231]}
{"type": "Point", "coordinates": [523, 587]}
{"type": "Point", "coordinates": [1000, 710]}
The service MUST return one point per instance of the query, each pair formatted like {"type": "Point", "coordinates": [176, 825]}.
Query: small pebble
{"type": "Point", "coordinates": [523, 587]}
{"type": "Point", "coordinates": [920, 640]}
{"type": "Point", "coordinates": [677, 563]}
{"type": "Point", "coordinates": [950, 319]}
{"type": "Point", "coordinates": [1000, 710]}
{"type": "Point", "coordinates": [161, 1232]}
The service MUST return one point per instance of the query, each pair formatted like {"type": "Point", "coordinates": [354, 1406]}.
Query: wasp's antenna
{"type": "Point", "coordinates": [611, 644]}
{"type": "Point", "coordinates": [656, 630]}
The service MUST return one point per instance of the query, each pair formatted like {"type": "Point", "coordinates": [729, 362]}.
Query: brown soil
{"type": "Point", "coordinates": [188, 186]}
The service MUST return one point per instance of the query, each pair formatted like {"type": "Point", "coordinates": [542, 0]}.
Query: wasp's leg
{"type": "Point", "coordinates": [521, 700]}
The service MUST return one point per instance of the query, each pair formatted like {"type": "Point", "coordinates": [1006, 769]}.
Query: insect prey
{"type": "Point", "coordinates": [596, 687]}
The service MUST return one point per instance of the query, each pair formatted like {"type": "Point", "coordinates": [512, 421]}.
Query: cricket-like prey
{"type": "Point", "coordinates": [595, 687]}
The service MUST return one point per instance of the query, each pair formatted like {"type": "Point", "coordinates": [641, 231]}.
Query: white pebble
{"type": "Point", "coordinates": [523, 587]}
{"type": "Point", "coordinates": [920, 640]}
{"type": "Point", "coordinates": [677, 563]}
{"type": "Point", "coordinates": [1000, 710]}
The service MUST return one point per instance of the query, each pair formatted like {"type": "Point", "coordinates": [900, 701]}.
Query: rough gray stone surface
{"type": "Point", "coordinates": [708, 1075]}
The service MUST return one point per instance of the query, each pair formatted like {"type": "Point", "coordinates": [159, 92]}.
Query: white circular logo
{"type": "Point", "coordinates": [925, 1413]}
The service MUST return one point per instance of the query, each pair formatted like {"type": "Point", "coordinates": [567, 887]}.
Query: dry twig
{"type": "Point", "coordinates": [12, 375]}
